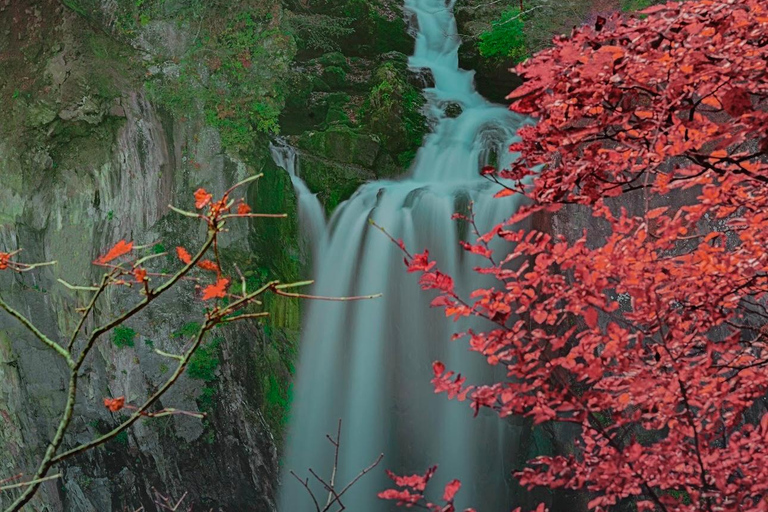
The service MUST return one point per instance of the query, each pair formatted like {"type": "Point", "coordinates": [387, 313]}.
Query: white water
{"type": "Point", "coordinates": [311, 213]}
{"type": "Point", "coordinates": [369, 362]}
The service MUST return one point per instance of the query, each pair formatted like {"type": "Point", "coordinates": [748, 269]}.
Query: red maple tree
{"type": "Point", "coordinates": [649, 331]}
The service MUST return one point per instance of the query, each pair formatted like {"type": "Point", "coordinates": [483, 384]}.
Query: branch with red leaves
{"type": "Point", "coordinates": [126, 266]}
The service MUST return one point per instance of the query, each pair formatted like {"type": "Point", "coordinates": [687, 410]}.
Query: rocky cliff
{"type": "Point", "coordinates": [112, 110]}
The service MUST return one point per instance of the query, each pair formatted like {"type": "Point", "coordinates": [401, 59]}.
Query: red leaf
{"type": "Point", "coordinates": [202, 198]}
{"type": "Point", "coordinates": [140, 275]}
{"type": "Point", "coordinates": [114, 404]}
{"type": "Point", "coordinates": [243, 209]}
{"type": "Point", "coordinates": [120, 248]}
{"type": "Point", "coordinates": [451, 489]}
{"type": "Point", "coordinates": [183, 255]}
{"type": "Point", "coordinates": [590, 316]}
{"type": "Point", "coordinates": [503, 193]}
{"type": "Point", "coordinates": [736, 102]}
{"type": "Point", "coordinates": [218, 290]}
{"type": "Point", "coordinates": [208, 265]}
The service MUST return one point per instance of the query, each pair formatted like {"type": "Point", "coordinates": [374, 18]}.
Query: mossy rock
{"type": "Point", "coordinates": [392, 111]}
{"type": "Point", "coordinates": [335, 77]}
{"type": "Point", "coordinates": [275, 241]}
{"type": "Point", "coordinates": [342, 144]}
{"type": "Point", "coordinates": [336, 59]}
{"type": "Point", "coordinates": [333, 182]}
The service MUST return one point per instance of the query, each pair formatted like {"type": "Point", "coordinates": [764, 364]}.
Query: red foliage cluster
{"type": "Point", "coordinates": [412, 489]}
{"type": "Point", "coordinates": [215, 213]}
{"type": "Point", "coordinates": [114, 404]}
{"type": "Point", "coordinates": [652, 336]}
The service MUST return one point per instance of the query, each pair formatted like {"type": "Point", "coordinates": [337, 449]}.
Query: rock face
{"type": "Point", "coordinates": [89, 156]}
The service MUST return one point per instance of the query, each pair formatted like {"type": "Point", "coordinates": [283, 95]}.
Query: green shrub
{"type": "Point", "coordinates": [506, 39]}
{"type": "Point", "coordinates": [187, 330]}
{"type": "Point", "coordinates": [203, 363]}
{"type": "Point", "coordinates": [123, 336]}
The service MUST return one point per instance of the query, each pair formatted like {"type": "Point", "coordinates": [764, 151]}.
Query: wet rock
{"type": "Point", "coordinates": [421, 78]}
{"type": "Point", "coordinates": [453, 109]}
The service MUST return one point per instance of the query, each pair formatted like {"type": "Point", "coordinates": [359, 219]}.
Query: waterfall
{"type": "Point", "coordinates": [311, 213]}
{"type": "Point", "coordinates": [369, 362]}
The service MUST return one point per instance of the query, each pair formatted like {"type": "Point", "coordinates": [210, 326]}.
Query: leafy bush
{"type": "Point", "coordinates": [319, 31]}
{"type": "Point", "coordinates": [204, 362]}
{"type": "Point", "coordinates": [506, 39]}
{"type": "Point", "coordinates": [123, 336]}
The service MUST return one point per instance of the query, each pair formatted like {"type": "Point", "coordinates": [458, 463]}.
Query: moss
{"type": "Point", "coordinates": [207, 398]}
{"type": "Point", "coordinates": [392, 111]}
{"type": "Point", "coordinates": [187, 330]}
{"type": "Point", "coordinates": [506, 39]}
{"type": "Point", "coordinates": [123, 336]}
{"type": "Point", "coordinates": [122, 438]}
{"type": "Point", "coordinates": [276, 368]}
{"type": "Point", "coordinates": [235, 75]}
{"type": "Point", "coordinates": [335, 77]}
{"type": "Point", "coordinates": [204, 362]}
{"type": "Point", "coordinates": [336, 59]}
{"type": "Point", "coordinates": [273, 193]}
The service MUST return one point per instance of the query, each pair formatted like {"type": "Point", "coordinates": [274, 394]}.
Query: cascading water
{"type": "Point", "coordinates": [311, 214]}
{"type": "Point", "coordinates": [369, 362]}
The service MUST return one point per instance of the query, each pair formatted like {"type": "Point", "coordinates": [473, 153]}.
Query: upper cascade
{"type": "Point", "coordinates": [368, 363]}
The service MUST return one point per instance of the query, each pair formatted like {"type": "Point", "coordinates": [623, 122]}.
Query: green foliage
{"type": "Point", "coordinates": [335, 77]}
{"type": "Point", "coordinates": [234, 76]}
{"type": "Point", "coordinates": [637, 5]}
{"type": "Point", "coordinates": [392, 111]}
{"type": "Point", "coordinates": [506, 39]}
{"type": "Point", "coordinates": [122, 438]}
{"type": "Point", "coordinates": [123, 336]}
{"type": "Point", "coordinates": [148, 342]}
{"type": "Point", "coordinates": [203, 363]}
{"type": "Point", "coordinates": [276, 368]}
{"type": "Point", "coordinates": [187, 330]}
{"type": "Point", "coordinates": [319, 31]}
{"type": "Point", "coordinates": [206, 399]}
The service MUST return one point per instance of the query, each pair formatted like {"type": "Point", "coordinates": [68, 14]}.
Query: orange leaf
{"type": "Point", "coordinates": [208, 265]}
{"type": "Point", "coordinates": [243, 209]}
{"type": "Point", "coordinates": [711, 101]}
{"type": "Point", "coordinates": [656, 212]}
{"type": "Point", "coordinates": [202, 198]}
{"type": "Point", "coordinates": [120, 248]}
{"type": "Point", "coordinates": [183, 255]}
{"type": "Point", "coordinates": [644, 114]}
{"type": "Point", "coordinates": [140, 274]}
{"type": "Point", "coordinates": [503, 193]}
{"type": "Point", "coordinates": [114, 404]}
{"type": "Point", "coordinates": [216, 290]}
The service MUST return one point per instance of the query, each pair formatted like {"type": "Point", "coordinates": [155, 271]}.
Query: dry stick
{"type": "Point", "coordinates": [50, 457]}
{"type": "Point", "coordinates": [322, 297]}
{"type": "Point", "coordinates": [360, 475]}
{"type": "Point", "coordinates": [31, 482]}
{"type": "Point", "coordinates": [38, 334]}
{"type": "Point", "coordinates": [91, 305]}
{"type": "Point", "coordinates": [335, 444]}
{"type": "Point", "coordinates": [305, 483]}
